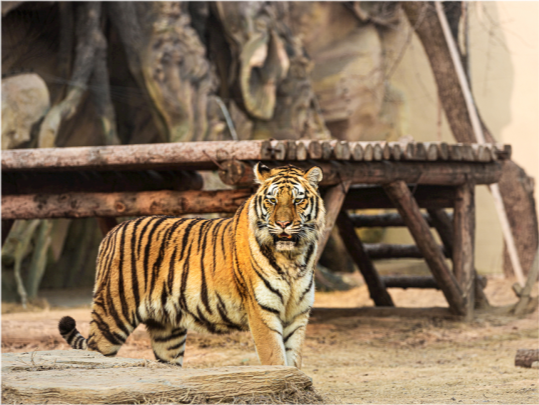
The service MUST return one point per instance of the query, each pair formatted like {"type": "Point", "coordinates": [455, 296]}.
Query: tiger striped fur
{"type": "Point", "coordinates": [253, 271]}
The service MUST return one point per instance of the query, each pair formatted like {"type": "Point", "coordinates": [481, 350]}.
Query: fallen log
{"type": "Point", "coordinates": [526, 357]}
{"type": "Point", "coordinates": [80, 205]}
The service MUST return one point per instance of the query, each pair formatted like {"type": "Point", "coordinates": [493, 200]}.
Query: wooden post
{"type": "Point", "coordinates": [443, 222]}
{"type": "Point", "coordinates": [526, 291]}
{"type": "Point", "coordinates": [333, 200]}
{"type": "Point", "coordinates": [463, 244]}
{"type": "Point", "coordinates": [402, 198]}
{"type": "Point", "coordinates": [377, 289]}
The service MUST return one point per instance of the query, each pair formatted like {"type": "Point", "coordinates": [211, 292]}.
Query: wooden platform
{"type": "Point", "coordinates": [162, 179]}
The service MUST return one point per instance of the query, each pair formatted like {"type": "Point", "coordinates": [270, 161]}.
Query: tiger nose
{"type": "Point", "coordinates": [283, 224]}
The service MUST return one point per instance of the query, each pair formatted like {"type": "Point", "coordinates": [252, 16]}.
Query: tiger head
{"type": "Point", "coordinates": [288, 212]}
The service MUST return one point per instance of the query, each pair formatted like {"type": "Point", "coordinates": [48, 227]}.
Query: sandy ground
{"type": "Point", "coordinates": [353, 360]}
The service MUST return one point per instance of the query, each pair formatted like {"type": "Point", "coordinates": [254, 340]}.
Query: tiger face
{"type": "Point", "coordinates": [289, 211]}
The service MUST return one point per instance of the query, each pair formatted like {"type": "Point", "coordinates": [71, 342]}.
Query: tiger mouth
{"type": "Point", "coordinates": [284, 237]}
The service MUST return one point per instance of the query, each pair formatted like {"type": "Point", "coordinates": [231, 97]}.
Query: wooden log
{"type": "Point", "coordinates": [279, 150]}
{"type": "Point", "coordinates": [236, 173]}
{"type": "Point", "coordinates": [431, 151]}
{"type": "Point", "coordinates": [455, 153]}
{"type": "Point", "coordinates": [393, 251]}
{"type": "Point", "coordinates": [483, 153]}
{"type": "Point", "coordinates": [387, 151]}
{"type": "Point", "coordinates": [400, 195]}
{"type": "Point", "coordinates": [291, 149]}
{"type": "Point", "coordinates": [341, 150]}
{"type": "Point", "coordinates": [467, 153]}
{"type": "Point", "coordinates": [327, 150]}
{"type": "Point", "coordinates": [377, 152]}
{"type": "Point", "coordinates": [443, 151]}
{"type": "Point", "coordinates": [325, 315]}
{"type": "Point", "coordinates": [503, 151]}
{"type": "Point", "coordinates": [380, 220]}
{"type": "Point", "coordinates": [440, 173]}
{"type": "Point", "coordinates": [407, 151]}
{"type": "Point", "coordinates": [443, 222]}
{"type": "Point", "coordinates": [396, 151]}
{"type": "Point", "coordinates": [50, 182]}
{"type": "Point", "coordinates": [106, 224]}
{"type": "Point", "coordinates": [524, 295]}
{"type": "Point", "coordinates": [526, 357]}
{"type": "Point", "coordinates": [357, 152]}
{"type": "Point", "coordinates": [301, 151]}
{"type": "Point", "coordinates": [419, 151]}
{"type": "Point", "coordinates": [137, 157]}
{"type": "Point", "coordinates": [364, 197]}
{"type": "Point", "coordinates": [463, 244]}
{"type": "Point", "coordinates": [368, 151]}
{"type": "Point", "coordinates": [315, 150]}
{"type": "Point", "coordinates": [80, 205]}
{"type": "Point", "coordinates": [333, 199]}
{"type": "Point", "coordinates": [377, 289]}
{"type": "Point", "coordinates": [266, 151]}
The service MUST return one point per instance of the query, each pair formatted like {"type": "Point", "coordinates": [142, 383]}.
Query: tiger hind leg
{"type": "Point", "coordinates": [108, 333]}
{"type": "Point", "coordinates": [168, 342]}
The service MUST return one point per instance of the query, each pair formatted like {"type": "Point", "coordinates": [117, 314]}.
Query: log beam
{"type": "Point", "coordinates": [80, 205]}
{"type": "Point", "coordinates": [377, 172]}
{"type": "Point", "coordinates": [401, 196]}
{"type": "Point", "coordinates": [377, 289]}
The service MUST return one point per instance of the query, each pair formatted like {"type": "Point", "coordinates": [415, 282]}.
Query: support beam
{"type": "Point", "coordinates": [401, 196]}
{"type": "Point", "coordinates": [377, 289]}
{"type": "Point", "coordinates": [463, 244]}
{"type": "Point", "coordinates": [333, 200]}
{"type": "Point", "coordinates": [377, 172]}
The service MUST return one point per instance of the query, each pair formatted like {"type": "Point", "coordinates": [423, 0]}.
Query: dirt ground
{"type": "Point", "coordinates": [354, 360]}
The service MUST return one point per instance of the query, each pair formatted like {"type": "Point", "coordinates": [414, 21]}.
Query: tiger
{"type": "Point", "coordinates": [250, 272]}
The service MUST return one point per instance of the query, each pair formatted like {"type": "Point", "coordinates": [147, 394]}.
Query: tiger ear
{"type": "Point", "coordinates": [314, 175]}
{"type": "Point", "coordinates": [262, 173]}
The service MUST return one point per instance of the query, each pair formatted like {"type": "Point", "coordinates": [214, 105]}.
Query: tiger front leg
{"type": "Point", "coordinates": [293, 337]}
{"type": "Point", "coordinates": [267, 330]}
